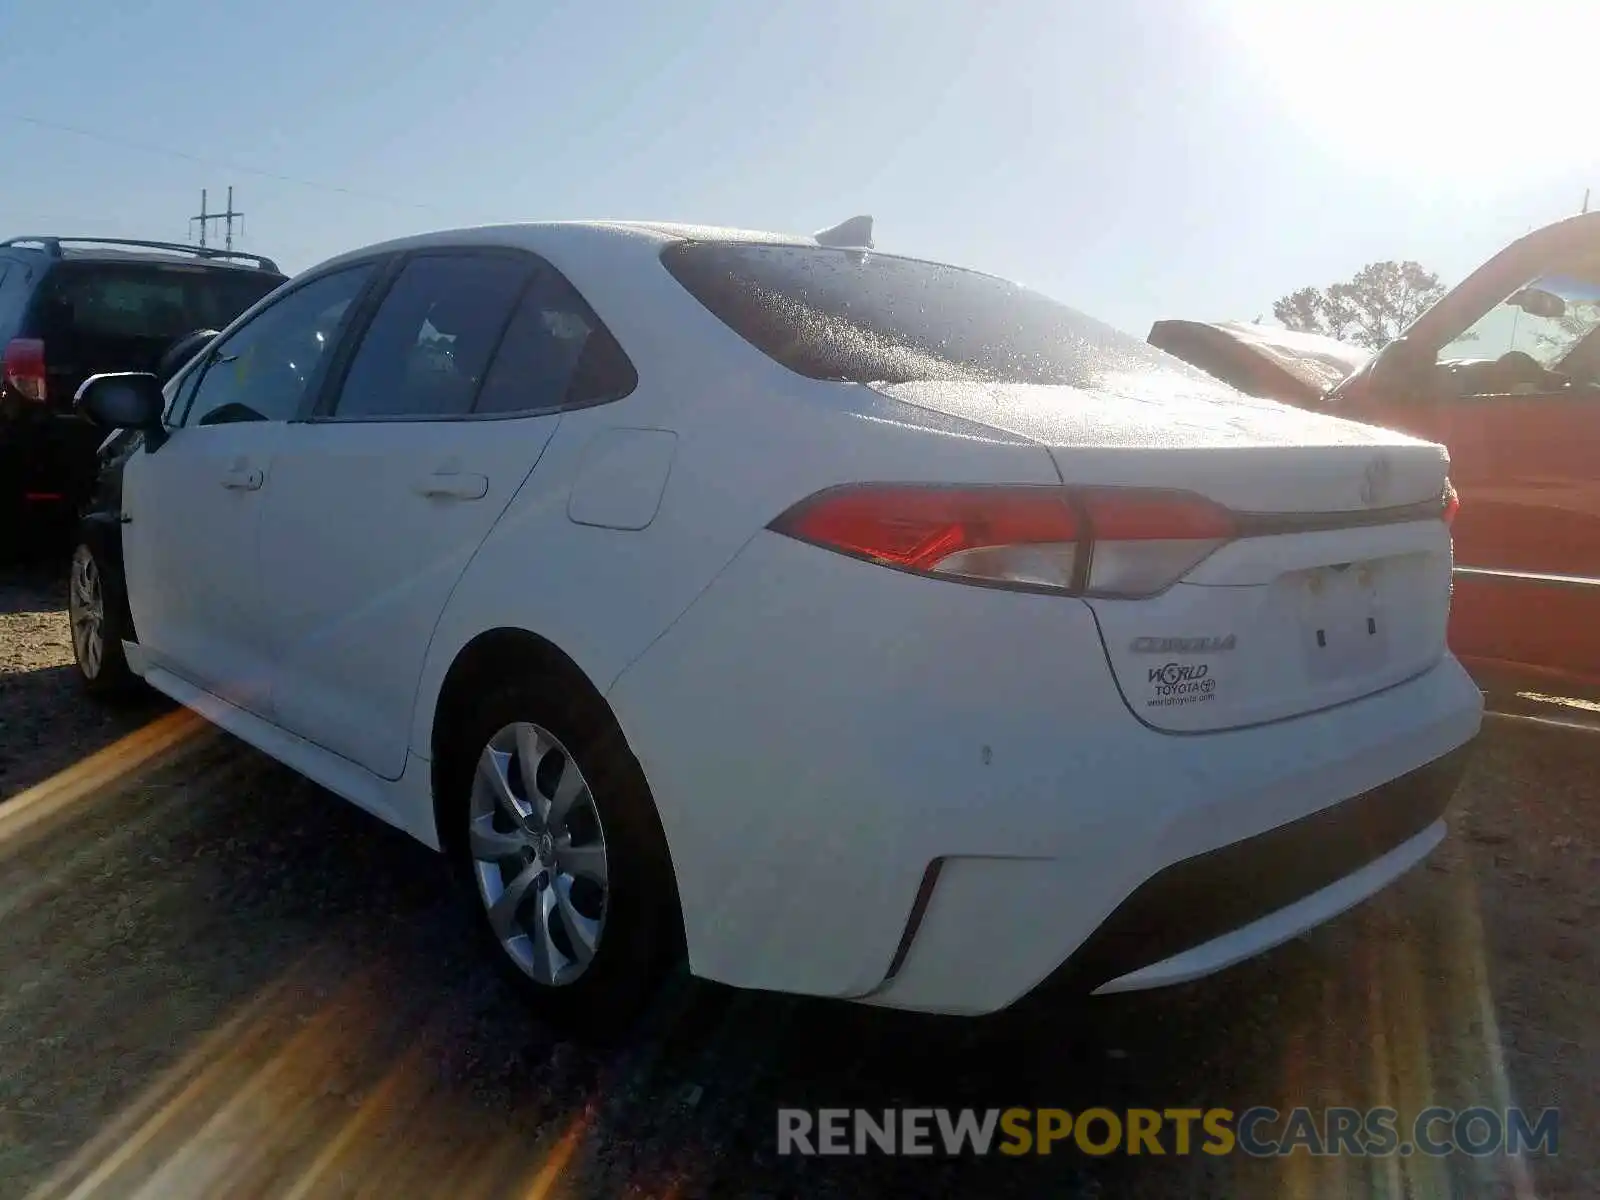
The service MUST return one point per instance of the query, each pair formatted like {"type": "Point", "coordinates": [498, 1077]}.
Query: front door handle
{"type": "Point", "coordinates": [453, 485]}
{"type": "Point", "coordinates": [242, 479]}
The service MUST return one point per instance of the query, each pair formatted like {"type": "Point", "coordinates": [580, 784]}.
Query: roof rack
{"type": "Point", "coordinates": [52, 247]}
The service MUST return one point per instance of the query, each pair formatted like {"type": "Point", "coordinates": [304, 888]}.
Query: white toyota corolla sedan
{"type": "Point", "coordinates": [855, 625]}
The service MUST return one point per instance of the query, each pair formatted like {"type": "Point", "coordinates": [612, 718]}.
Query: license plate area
{"type": "Point", "coordinates": [1343, 621]}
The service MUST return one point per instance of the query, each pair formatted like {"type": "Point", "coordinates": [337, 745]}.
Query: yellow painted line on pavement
{"type": "Point", "coordinates": [399, 1091]}
{"type": "Point", "coordinates": [217, 1054]}
{"type": "Point", "coordinates": [66, 790]}
{"type": "Point", "coordinates": [220, 1130]}
{"type": "Point", "coordinates": [549, 1173]}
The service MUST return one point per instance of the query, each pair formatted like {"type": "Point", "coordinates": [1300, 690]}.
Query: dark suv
{"type": "Point", "coordinates": [72, 307]}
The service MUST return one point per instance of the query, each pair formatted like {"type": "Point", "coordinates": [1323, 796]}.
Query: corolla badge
{"type": "Point", "coordinates": [1375, 481]}
{"type": "Point", "coordinates": [1182, 645]}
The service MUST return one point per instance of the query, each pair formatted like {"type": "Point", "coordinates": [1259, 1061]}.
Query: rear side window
{"type": "Point", "coordinates": [864, 317]}
{"type": "Point", "coordinates": [428, 347]}
{"type": "Point", "coordinates": [14, 279]}
{"type": "Point", "coordinates": [142, 302]}
{"type": "Point", "coordinates": [556, 355]}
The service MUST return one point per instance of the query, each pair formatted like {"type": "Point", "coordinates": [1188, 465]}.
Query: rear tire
{"type": "Point", "coordinates": [556, 843]}
{"type": "Point", "coordinates": [97, 610]}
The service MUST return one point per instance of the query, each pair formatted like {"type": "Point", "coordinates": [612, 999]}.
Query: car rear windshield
{"type": "Point", "coordinates": [143, 301]}
{"type": "Point", "coordinates": [864, 317]}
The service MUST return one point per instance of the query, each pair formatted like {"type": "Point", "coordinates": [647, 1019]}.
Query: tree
{"type": "Point", "coordinates": [1576, 323]}
{"type": "Point", "coordinates": [1371, 308]}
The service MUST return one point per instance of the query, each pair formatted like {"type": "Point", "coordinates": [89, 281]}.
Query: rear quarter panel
{"type": "Point", "coordinates": [751, 439]}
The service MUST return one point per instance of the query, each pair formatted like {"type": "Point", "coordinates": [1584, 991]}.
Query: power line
{"type": "Point", "coordinates": [202, 160]}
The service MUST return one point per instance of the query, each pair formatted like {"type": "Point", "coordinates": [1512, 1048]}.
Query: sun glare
{"type": "Point", "coordinates": [1487, 94]}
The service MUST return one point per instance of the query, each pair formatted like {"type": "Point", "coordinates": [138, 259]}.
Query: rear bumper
{"type": "Point", "coordinates": [1214, 909]}
{"type": "Point", "coordinates": [992, 931]}
{"type": "Point", "coordinates": [928, 796]}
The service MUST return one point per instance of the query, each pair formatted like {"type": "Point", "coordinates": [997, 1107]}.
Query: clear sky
{"type": "Point", "coordinates": [1135, 158]}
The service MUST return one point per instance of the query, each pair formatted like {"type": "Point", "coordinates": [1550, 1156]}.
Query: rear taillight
{"type": "Point", "coordinates": [1452, 503]}
{"type": "Point", "coordinates": [1145, 541]}
{"type": "Point", "coordinates": [1125, 542]}
{"type": "Point", "coordinates": [23, 368]}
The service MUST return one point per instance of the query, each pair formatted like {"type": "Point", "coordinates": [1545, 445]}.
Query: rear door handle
{"type": "Point", "coordinates": [453, 485]}
{"type": "Point", "coordinates": [242, 479]}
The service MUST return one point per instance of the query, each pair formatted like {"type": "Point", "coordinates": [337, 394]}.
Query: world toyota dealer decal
{"type": "Point", "coordinates": [1180, 683]}
{"type": "Point", "coordinates": [1177, 683]}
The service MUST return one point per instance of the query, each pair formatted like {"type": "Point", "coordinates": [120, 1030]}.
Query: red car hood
{"type": "Point", "coordinates": [1260, 360]}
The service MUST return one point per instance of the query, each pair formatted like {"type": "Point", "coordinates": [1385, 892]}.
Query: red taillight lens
{"type": "Point", "coordinates": [1452, 503]}
{"type": "Point", "coordinates": [1005, 535]}
{"type": "Point", "coordinates": [1096, 541]}
{"type": "Point", "coordinates": [23, 368]}
{"type": "Point", "coordinates": [1138, 515]}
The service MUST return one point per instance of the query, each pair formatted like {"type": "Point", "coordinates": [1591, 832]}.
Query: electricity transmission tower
{"type": "Point", "coordinates": [205, 218]}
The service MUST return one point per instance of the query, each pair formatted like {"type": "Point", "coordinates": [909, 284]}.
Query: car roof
{"type": "Point", "coordinates": [678, 231]}
{"type": "Point", "coordinates": [152, 258]}
{"type": "Point", "coordinates": [554, 238]}
{"type": "Point", "coordinates": [49, 248]}
{"type": "Point", "coordinates": [548, 236]}
{"type": "Point", "coordinates": [86, 254]}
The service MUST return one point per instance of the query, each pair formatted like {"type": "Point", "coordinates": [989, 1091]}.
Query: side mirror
{"type": "Point", "coordinates": [125, 400]}
{"type": "Point", "coordinates": [1537, 302]}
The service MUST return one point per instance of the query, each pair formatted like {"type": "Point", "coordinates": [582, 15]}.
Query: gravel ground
{"type": "Point", "coordinates": [44, 723]}
{"type": "Point", "coordinates": [216, 979]}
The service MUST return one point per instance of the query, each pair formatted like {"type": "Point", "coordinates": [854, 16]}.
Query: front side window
{"type": "Point", "coordinates": [429, 345]}
{"type": "Point", "coordinates": [263, 370]}
{"type": "Point", "coordinates": [179, 390]}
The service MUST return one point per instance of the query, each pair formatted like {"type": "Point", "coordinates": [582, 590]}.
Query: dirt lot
{"type": "Point", "coordinates": [216, 979]}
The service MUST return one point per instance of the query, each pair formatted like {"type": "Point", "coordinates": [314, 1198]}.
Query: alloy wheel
{"type": "Point", "coordinates": [539, 854]}
{"type": "Point", "coordinates": [86, 611]}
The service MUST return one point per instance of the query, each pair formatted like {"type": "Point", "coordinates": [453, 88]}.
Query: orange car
{"type": "Point", "coordinates": [1505, 372]}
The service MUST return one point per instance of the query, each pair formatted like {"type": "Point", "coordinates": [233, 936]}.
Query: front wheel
{"type": "Point", "coordinates": [560, 847]}
{"type": "Point", "coordinates": [97, 613]}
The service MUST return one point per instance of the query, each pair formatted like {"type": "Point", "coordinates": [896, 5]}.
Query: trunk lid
{"type": "Point", "coordinates": [1338, 585]}
{"type": "Point", "coordinates": [1248, 454]}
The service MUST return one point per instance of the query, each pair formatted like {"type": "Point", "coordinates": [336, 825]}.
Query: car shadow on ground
{"type": "Point", "coordinates": [33, 584]}
{"type": "Point", "coordinates": [259, 988]}
{"type": "Point", "coordinates": [47, 723]}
